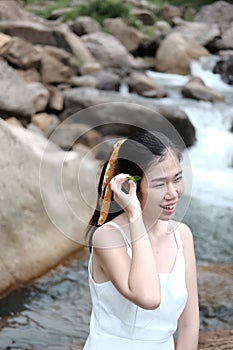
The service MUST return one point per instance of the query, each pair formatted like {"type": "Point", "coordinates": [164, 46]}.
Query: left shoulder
{"type": "Point", "coordinates": [186, 235]}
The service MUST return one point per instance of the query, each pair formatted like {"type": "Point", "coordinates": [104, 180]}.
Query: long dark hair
{"type": "Point", "coordinates": [135, 155]}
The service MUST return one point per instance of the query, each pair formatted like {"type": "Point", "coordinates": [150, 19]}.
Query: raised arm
{"type": "Point", "coordinates": [137, 278]}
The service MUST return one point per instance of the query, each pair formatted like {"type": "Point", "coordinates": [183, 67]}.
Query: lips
{"type": "Point", "coordinates": [168, 206]}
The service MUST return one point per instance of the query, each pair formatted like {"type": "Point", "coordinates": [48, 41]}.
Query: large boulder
{"type": "Point", "coordinates": [36, 235]}
{"type": "Point", "coordinates": [121, 115]}
{"type": "Point", "coordinates": [108, 50]}
{"type": "Point", "coordinates": [14, 90]}
{"type": "Point", "coordinates": [21, 54]}
{"type": "Point", "coordinates": [130, 37]}
{"type": "Point", "coordinates": [176, 53]}
{"type": "Point", "coordinates": [203, 33]}
{"type": "Point", "coordinates": [220, 12]}
{"type": "Point", "coordinates": [11, 10]}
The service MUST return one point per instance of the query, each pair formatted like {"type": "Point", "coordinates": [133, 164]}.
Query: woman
{"type": "Point", "coordinates": [142, 270]}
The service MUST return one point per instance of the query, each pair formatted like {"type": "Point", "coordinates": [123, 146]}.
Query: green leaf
{"type": "Point", "coordinates": [134, 178]}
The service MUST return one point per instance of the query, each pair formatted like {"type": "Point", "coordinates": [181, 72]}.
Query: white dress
{"type": "Point", "coordinates": [118, 324]}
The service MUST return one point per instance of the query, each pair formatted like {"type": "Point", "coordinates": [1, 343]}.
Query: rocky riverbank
{"type": "Point", "coordinates": [51, 70]}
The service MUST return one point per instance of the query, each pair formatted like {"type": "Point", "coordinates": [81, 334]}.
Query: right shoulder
{"type": "Point", "coordinates": [107, 236]}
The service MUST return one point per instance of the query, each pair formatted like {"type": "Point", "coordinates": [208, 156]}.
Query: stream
{"type": "Point", "coordinates": [55, 310]}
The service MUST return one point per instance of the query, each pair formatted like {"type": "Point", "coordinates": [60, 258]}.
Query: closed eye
{"type": "Point", "coordinates": [160, 185]}
{"type": "Point", "coordinates": [178, 178]}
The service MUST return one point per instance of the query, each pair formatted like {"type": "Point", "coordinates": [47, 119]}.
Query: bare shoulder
{"type": "Point", "coordinates": [107, 236]}
{"type": "Point", "coordinates": [186, 235]}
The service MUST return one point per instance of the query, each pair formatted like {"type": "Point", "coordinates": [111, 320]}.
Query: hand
{"type": "Point", "coordinates": [125, 194]}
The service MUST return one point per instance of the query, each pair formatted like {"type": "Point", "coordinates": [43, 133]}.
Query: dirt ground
{"type": "Point", "coordinates": [222, 340]}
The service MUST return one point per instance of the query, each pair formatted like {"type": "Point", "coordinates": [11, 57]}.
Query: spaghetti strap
{"type": "Point", "coordinates": [127, 241]}
{"type": "Point", "coordinates": [178, 238]}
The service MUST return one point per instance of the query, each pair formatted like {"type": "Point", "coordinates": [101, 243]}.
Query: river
{"type": "Point", "coordinates": [55, 310]}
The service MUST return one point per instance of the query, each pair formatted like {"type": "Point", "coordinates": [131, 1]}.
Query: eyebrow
{"type": "Point", "coordinates": [164, 178]}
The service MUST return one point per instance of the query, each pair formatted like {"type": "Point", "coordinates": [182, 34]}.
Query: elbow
{"type": "Point", "coordinates": [150, 302]}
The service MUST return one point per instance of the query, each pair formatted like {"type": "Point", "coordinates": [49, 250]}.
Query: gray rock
{"type": "Point", "coordinates": [36, 235]}
{"type": "Point", "coordinates": [16, 98]}
{"type": "Point", "coordinates": [113, 113]}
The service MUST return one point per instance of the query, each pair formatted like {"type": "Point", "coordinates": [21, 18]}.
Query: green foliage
{"type": "Point", "coordinates": [100, 10]}
{"type": "Point", "coordinates": [196, 4]}
{"type": "Point", "coordinates": [49, 9]}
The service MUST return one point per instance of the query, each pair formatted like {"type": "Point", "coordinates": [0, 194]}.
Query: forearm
{"type": "Point", "coordinates": [187, 338]}
{"type": "Point", "coordinates": [143, 276]}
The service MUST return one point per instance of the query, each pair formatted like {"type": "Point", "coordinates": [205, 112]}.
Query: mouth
{"type": "Point", "coordinates": [169, 207]}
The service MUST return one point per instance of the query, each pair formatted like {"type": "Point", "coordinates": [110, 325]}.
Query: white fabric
{"type": "Point", "coordinates": [118, 324]}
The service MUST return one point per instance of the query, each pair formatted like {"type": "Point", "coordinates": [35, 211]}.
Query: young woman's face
{"type": "Point", "coordinates": [161, 188]}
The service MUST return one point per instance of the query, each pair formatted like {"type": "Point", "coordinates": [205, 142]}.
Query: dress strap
{"type": "Point", "coordinates": [127, 241]}
{"type": "Point", "coordinates": [178, 238]}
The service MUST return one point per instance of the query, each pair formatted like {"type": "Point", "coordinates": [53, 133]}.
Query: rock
{"type": "Point", "coordinates": [102, 80]}
{"type": "Point", "coordinates": [4, 39]}
{"type": "Point", "coordinates": [84, 80]}
{"type": "Point", "coordinates": [59, 13]}
{"type": "Point", "coordinates": [29, 75]}
{"type": "Point", "coordinates": [144, 86]}
{"type": "Point", "coordinates": [57, 65]}
{"type": "Point", "coordinates": [224, 67]}
{"type": "Point", "coordinates": [78, 133]}
{"type": "Point", "coordinates": [196, 88]}
{"type": "Point", "coordinates": [90, 67]}
{"type": "Point", "coordinates": [117, 114]}
{"type": "Point", "coordinates": [56, 99]}
{"type": "Point", "coordinates": [13, 91]}
{"type": "Point", "coordinates": [36, 33]}
{"type": "Point", "coordinates": [35, 235]}
{"type": "Point", "coordinates": [219, 340]}
{"type": "Point", "coordinates": [227, 38]}
{"type": "Point", "coordinates": [212, 278]}
{"type": "Point", "coordinates": [144, 5]}
{"type": "Point", "coordinates": [11, 10]}
{"type": "Point", "coordinates": [145, 16]}
{"type": "Point", "coordinates": [223, 41]}
{"type": "Point", "coordinates": [85, 25]}
{"type": "Point", "coordinates": [108, 50]}
{"type": "Point", "coordinates": [220, 12]}
{"type": "Point", "coordinates": [150, 47]}
{"type": "Point", "coordinates": [52, 34]}
{"type": "Point", "coordinates": [181, 122]}
{"type": "Point", "coordinates": [21, 54]}
{"type": "Point", "coordinates": [108, 81]}
{"type": "Point", "coordinates": [14, 122]}
{"type": "Point", "coordinates": [168, 12]}
{"type": "Point", "coordinates": [80, 50]}
{"type": "Point", "coordinates": [41, 95]}
{"type": "Point", "coordinates": [130, 37]}
{"type": "Point", "coordinates": [203, 33]}
{"type": "Point", "coordinates": [164, 28]}
{"type": "Point", "coordinates": [45, 122]}
{"type": "Point", "coordinates": [176, 52]}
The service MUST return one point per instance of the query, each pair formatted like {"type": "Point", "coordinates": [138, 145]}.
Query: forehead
{"type": "Point", "coordinates": [167, 167]}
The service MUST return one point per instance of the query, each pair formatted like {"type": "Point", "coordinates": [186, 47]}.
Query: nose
{"type": "Point", "coordinates": [172, 191]}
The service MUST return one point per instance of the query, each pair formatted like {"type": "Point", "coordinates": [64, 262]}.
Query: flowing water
{"type": "Point", "coordinates": [55, 311]}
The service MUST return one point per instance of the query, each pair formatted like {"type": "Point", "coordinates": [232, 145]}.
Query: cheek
{"type": "Point", "coordinates": [156, 196]}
